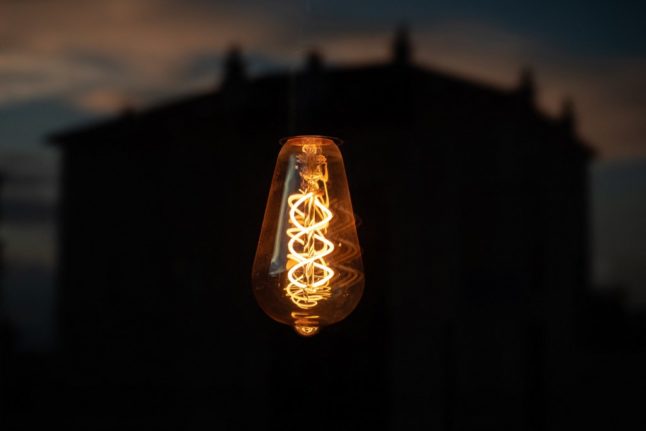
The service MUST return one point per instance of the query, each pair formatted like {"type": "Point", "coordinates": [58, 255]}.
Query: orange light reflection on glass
{"type": "Point", "coordinates": [308, 271]}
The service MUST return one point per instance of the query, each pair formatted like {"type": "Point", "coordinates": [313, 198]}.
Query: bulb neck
{"type": "Point", "coordinates": [314, 140]}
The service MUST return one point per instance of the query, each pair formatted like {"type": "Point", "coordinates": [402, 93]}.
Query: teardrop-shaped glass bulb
{"type": "Point", "coordinates": [308, 271]}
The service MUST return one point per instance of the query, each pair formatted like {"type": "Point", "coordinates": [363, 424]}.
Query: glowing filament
{"type": "Point", "coordinates": [309, 216]}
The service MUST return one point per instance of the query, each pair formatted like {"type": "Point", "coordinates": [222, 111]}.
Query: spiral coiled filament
{"type": "Point", "coordinates": [309, 217]}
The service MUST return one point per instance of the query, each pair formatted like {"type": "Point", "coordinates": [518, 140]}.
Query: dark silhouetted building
{"type": "Point", "coordinates": [474, 221]}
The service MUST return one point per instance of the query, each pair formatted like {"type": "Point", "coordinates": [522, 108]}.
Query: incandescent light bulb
{"type": "Point", "coordinates": [307, 272]}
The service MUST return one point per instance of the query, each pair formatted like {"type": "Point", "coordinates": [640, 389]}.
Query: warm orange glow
{"type": "Point", "coordinates": [308, 271]}
{"type": "Point", "coordinates": [304, 324]}
{"type": "Point", "coordinates": [309, 275]}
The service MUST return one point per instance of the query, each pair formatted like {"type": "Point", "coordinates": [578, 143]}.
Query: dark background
{"type": "Point", "coordinates": [126, 301]}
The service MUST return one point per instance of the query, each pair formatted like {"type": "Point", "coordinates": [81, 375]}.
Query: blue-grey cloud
{"type": "Point", "coordinates": [208, 66]}
{"type": "Point", "coordinates": [24, 125]}
{"type": "Point", "coordinates": [16, 211]}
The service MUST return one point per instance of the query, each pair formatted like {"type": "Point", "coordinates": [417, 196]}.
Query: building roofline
{"type": "Point", "coordinates": [70, 136]}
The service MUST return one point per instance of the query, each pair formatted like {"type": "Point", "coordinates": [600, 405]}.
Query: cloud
{"type": "Point", "coordinates": [71, 47]}
{"type": "Point", "coordinates": [101, 55]}
{"type": "Point", "coordinates": [202, 68]}
{"type": "Point", "coordinates": [104, 100]}
{"type": "Point", "coordinates": [27, 175]}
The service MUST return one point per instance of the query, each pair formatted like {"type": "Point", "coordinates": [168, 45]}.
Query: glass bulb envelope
{"type": "Point", "coordinates": [308, 271]}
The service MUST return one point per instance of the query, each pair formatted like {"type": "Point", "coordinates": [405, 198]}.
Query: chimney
{"type": "Point", "coordinates": [234, 68]}
{"type": "Point", "coordinates": [313, 62]}
{"type": "Point", "coordinates": [526, 86]}
{"type": "Point", "coordinates": [568, 116]}
{"type": "Point", "coordinates": [402, 52]}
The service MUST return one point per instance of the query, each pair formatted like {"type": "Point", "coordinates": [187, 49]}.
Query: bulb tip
{"type": "Point", "coordinates": [306, 331]}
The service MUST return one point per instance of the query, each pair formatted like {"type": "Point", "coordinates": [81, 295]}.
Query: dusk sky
{"type": "Point", "coordinates": [66, 62]}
